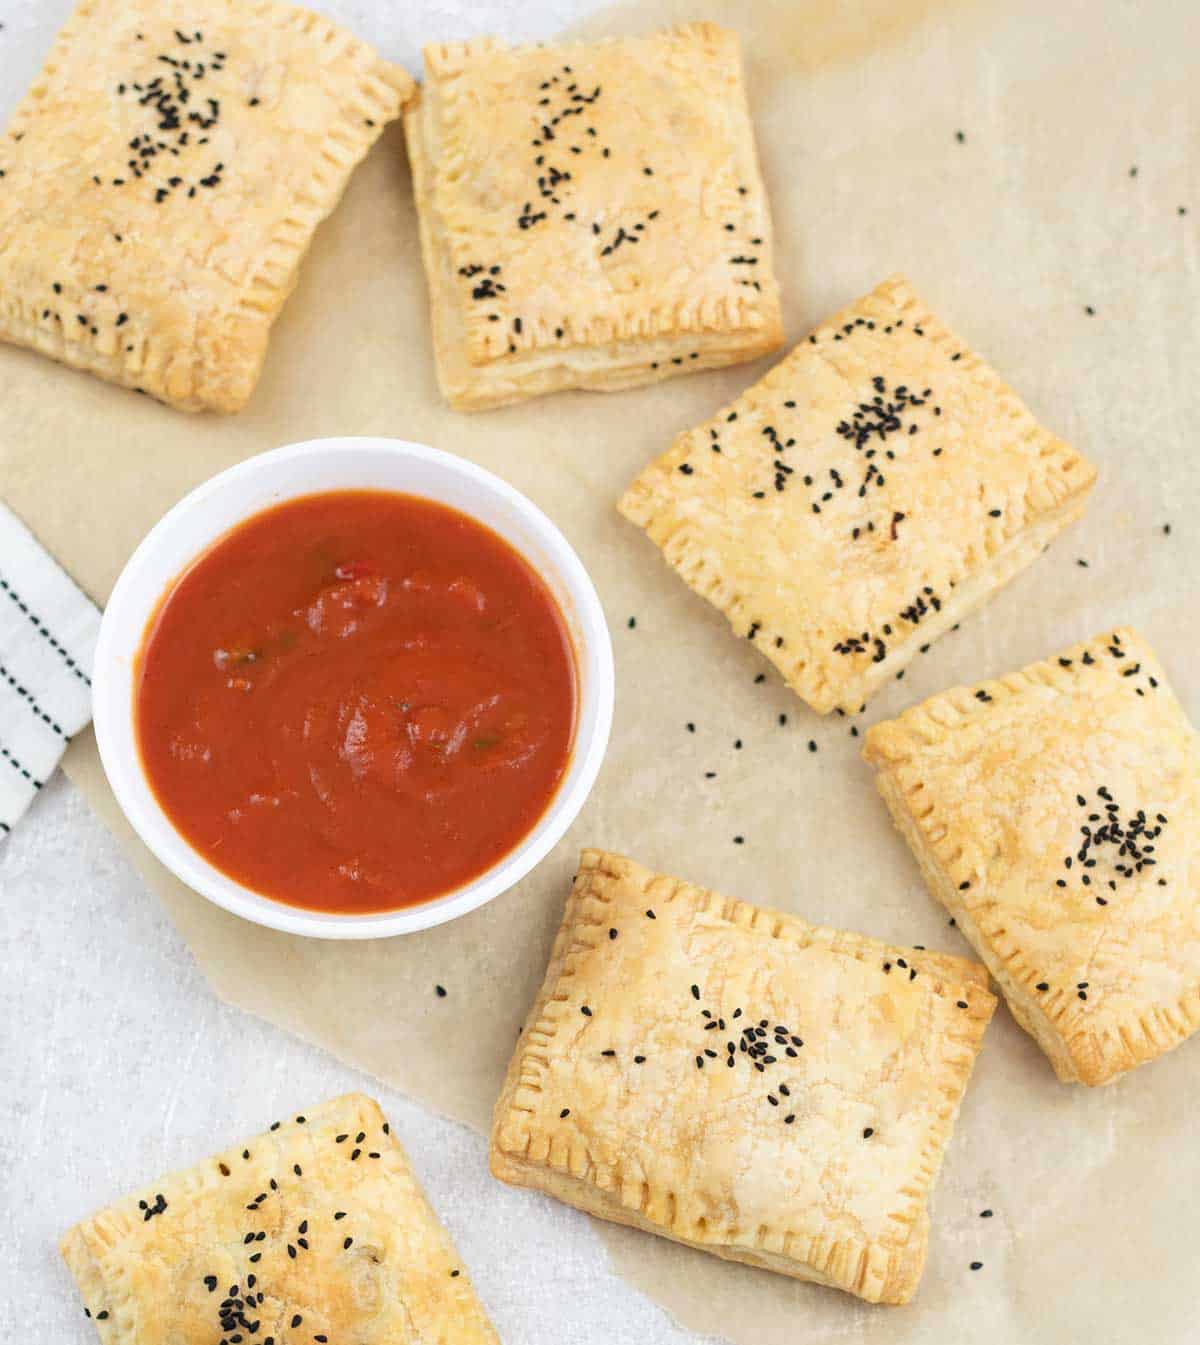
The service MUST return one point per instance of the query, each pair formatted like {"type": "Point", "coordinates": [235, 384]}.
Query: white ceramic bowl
{"type": "Point", "coordinates": [220, 504]}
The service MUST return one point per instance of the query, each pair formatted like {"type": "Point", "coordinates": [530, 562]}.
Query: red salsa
{"type": "Point", "coordinates": [356, 701]}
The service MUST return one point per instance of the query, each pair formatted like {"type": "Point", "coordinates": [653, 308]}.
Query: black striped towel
{"type": "Point", "coordinates": [47, 641]}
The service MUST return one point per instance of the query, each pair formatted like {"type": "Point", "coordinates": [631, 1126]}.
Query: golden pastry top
{"type": "Point", "coordinates": [1061, 804]}
{"type": "Point", "coordinates": [739, 1076]}
{"type": "Point", "coordinates": [314, 1231]}
{"type": "Point", "coordinates": [852, 495]}
{"type": "Point", "coordinates": [162, 178]}
{"type": "Point", "coordinates": [587, 193]}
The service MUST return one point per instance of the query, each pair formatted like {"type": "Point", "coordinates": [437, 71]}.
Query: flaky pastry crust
{"type": "Point", "coordinates": [316, 1231]}
{"type": "Point", "coordinates": [592, 214]}
{"type": "Point", "coordinates": [813, 1153]}
{"type": "Point", "coordinates": [1055, 813]}
{"type": "Point", "coordinates": [861, 498]}
{"type": "Point", "coordinates": [163, 178]}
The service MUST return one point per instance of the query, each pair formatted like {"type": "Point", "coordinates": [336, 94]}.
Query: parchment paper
{"type": "Point", "coordinates": [1011, 233]}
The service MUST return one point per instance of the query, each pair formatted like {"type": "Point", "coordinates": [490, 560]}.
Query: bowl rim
{"type": "Point", "coordinates": [592, 647]}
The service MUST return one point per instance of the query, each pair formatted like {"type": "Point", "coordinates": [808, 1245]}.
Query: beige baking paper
{"type": "Point", "coordinates": [1011, 234]}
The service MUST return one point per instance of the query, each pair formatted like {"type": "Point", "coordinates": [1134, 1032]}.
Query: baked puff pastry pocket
{"type": "Point", "coordinates": [314, 1232]}
{"type": "Point", "coordinates": [163, 177]}
{"type": "Point", "coordinates": [592, 215]}
{"type": "Point", "coordinates": [1055, 813]}
{"type": "Point", "coordinates": [859, 500]}
{"type": "Point", "coordinates": [738, 1080]}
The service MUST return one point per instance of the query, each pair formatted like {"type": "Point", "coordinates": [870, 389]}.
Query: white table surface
{"type": "Point", "coordinates": [116, 1062]}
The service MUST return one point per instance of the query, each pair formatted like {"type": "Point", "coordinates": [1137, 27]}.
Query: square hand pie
{"type": "Point", "coordinates": [741, 1081]}
{"type": "Point", "coordinates": [314, 1231]}
{"type": "Point", "coordinates": [1055, 813]}
{"type": "Point", "coordinates": [164, 176]}
{"type": "Point", "coordinates": [860, 499]}
{"type": "Point", "coordinates": [592, 215]}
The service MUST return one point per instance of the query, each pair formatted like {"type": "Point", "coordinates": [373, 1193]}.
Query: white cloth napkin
{"type": "Point", "coordinates": [47, 641]}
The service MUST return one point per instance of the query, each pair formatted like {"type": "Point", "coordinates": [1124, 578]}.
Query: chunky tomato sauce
{"type": "Point", "coordinates": [356, 701]}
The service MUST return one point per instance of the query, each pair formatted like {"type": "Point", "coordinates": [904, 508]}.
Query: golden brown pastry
{"type": "Point", "coordinates": [738, 1080]}
{"type": "Point", "coordinates": [859, 500]}
{"type": "Point", "coordinates": [1054, 812]}
{"type": "Point", "coordinates": [314, 1232]}
{"type": "Point", "coordinates": [592, 214]}
{"type": "Point", "coordinates": [163, 177]}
